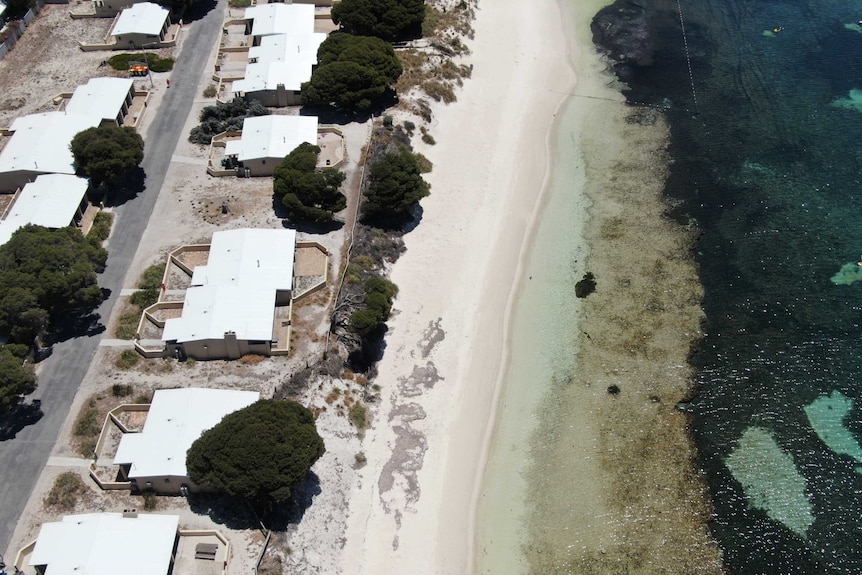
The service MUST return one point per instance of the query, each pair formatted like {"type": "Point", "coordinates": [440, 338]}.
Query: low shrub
{"type": "Point", "coordinates": [101, 227]}
{"type": "Point", "coordinates": [155, 62]}
{"type": "Point", "coordinates": [127, 325]}
{"type": "Point", "coordinates": [425, 164]}
{"type": "Point", "coordinates": [127, 359]}
{"type": "Point", "coordinates": [121, 390]}
{"type": "Point", "coordinates": [65, 492]}
{"type": "Point", "coordinates": [151, 501]}
{"type": "Point", "coordinates": [210, 91]}
{"type": "Point", "coordinates": [358, 416]}
{"type": "Point", "coordinates": [88, 423]}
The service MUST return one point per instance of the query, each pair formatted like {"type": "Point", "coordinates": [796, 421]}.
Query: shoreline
{"type": "Point", "coordinates": [426, 463]}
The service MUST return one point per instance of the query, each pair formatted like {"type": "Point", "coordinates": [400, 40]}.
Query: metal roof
{"type": "Point", "coordinates": [107, 544]}
{"type": "Point", "coordinates": [235, 291]}
{"type": "Point", "coordinates": [145, 18]}
{"type": "Point", "coordinates": [281, 18]}
{"type": "Point", "coordinates": [288, 48]}
{"type": "Point", "coordinates": [268, 75]}
{"type": "Point", "coordinates": [265, 137]}
{"type": "Point", "coordinates": [40, 142]}
{"type": "Point", "coordinates": [100, 96]}
{"type": "Point", "coordinates": [51, 201]}
{"type": "Point", "coordinates": [177, 418]}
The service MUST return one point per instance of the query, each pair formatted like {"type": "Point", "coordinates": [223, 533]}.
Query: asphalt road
{"type": "Point", "coordinates": [22, 458]}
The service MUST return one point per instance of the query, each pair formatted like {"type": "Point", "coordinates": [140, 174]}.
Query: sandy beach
{"type": "Point", "coordinates": [413, 508]}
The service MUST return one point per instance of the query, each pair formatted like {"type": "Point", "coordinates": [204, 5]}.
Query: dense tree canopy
{"type": "Point", "coordinates": [386, 19]}
{"type": "Point", "coordinates": [365, 50]}
{"type": "Point", "coordinates": [352, 72]}
{"type": "Point", "coordinates": [379, 293]}
{"type": "Point", "coordinates": [258, 453]}
{"type": "Point", "coordinates": [395, 185]}
{"type": "Point", "coordinates": [16, 379]}
{"type": "Point", "coordinates": [44, 274]}
{"type": "Point", "coordinates": [308, 194]}
{"type": "Point", "coordinates": [347, 85]}
{"type": "Point", "coordinates": [106, 153]}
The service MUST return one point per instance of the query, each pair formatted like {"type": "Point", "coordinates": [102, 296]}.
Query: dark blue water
{"type": "Point", "coordinates": [771, 171]}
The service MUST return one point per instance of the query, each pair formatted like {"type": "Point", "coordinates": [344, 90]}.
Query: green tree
{"type": "Point", "coordinates": [367, 51]}
{"type": "Point", "coordinates": [386, 19]}
{"type": "Point", "coordinates": [106, 153]}
{"type": "Point", "coordinates": [16, 379]}
{"type": "Point", "coordinates": [379, 294]}
{"type": "Point", "coordinates": [347, 85]}
{"type": "Point", "coordinates": [309, 194]}
{"type": "Point", "coordinates": [352, 72]}
{"type": "Point", "coordinates": [395, 185]}
{"type": "Point", "coordinates": [44, 274]}
{"type": "Point", "coordinates": [258, 453]}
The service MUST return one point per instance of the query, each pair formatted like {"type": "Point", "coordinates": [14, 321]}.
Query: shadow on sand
{"type": "Point", "coordinates": [236, 513]}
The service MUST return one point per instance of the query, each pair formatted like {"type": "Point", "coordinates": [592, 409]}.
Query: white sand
{"type": "Point", "coordinates": [413, 509]}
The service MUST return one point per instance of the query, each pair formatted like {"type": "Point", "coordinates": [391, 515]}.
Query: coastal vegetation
{"type": "Point", "coordinates": [259, 453]}
{"type": "Point", "coordinates": [224, 117]}
{"type": "Point", "coordinates": [389, 20]}
{"type": "Point", "coordinates": [395, 186]}
{"type": "Point", "coordinates": [308, 194]}
{"type": "Point", "coordinates": [352, 73]}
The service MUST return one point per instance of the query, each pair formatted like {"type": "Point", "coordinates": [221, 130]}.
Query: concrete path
{"type": "Point", "coordinates": [68, 462]}
{"type": "Point", "coordinates": [22, 458]}
{"type": "Point", "coordinates": [127, 343]}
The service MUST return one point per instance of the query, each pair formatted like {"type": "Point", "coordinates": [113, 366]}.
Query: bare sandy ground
{"type": "Point", "coordinates": [412, 511]}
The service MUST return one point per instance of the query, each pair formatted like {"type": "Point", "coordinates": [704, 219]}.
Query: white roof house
{"type": "Point", "coordinates": [145, 18]}
{"type": "Point", "coordinates": [281, 19]}
{"type": "Point", "coordinates": [272, 136]}
{"type": "Point", "coordinates": [106, 544]}
{"type": "Point", "coordinates": [52, 201]}
{"type": "Point", "coordinates": [100, 96]}
{"type": "Point", "coordinates": [236, 290]}
{"type": "Point", "coordinates": [177, 417]}
{"type": "Point", "coordinates": [40, 142]}
{"type": "Point", "coordinates": [268, 75]}
{"type": "Point", "coordinates": [287, 48]}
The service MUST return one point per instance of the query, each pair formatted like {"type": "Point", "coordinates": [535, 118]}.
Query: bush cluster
{"type": "Point", "coordinates": [155, 62]}
{"type": "Point", "coordinates": [224, 117]}
{"type": "Point", "coordinates": [307, 193]}
{"type": "Point", "coordinates": [379, 294]}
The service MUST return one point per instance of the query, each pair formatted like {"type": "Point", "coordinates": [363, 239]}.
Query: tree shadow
{"type": "Point", "coordinates": [373, 346]}
{"type": "Point", "coordinates": [75, 324]}
{"type": "Point", "coordinates": [198, 9]}
{"type": "Point", "coordinates": [19, 417]}
{"type": "Point", "coordinates": [307, 227]}
{"type": "Point", "coordinates": [328, 114]}
{"type": "Point", "coordinates": [406, 224]}
{"type": "Point", "coordinates": [312, 228]}
{"type": "Point", "coordinates": [331, 115]}
{"type": "Point", "coordinates": [126, 188]}
{"type": "Point", "coordinates": [237, 513]}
